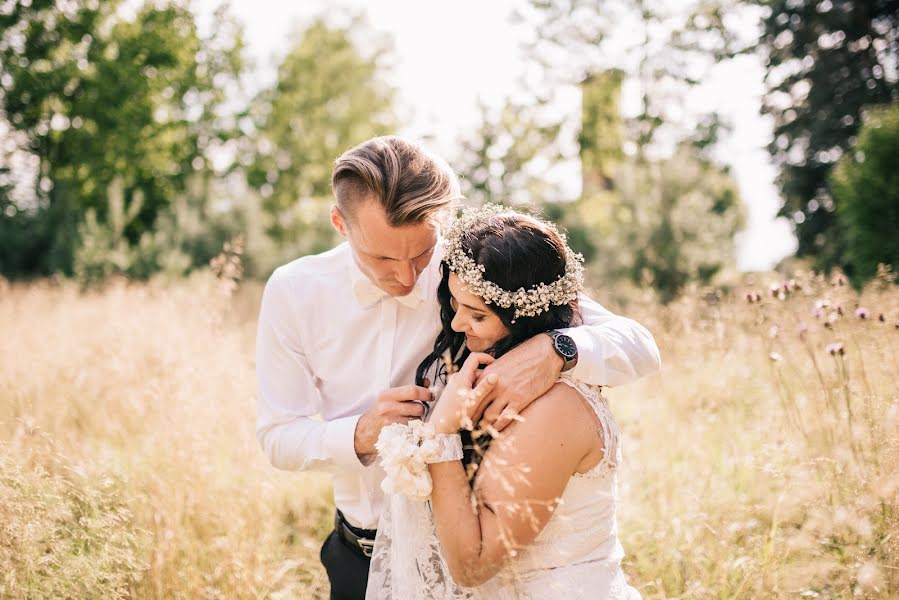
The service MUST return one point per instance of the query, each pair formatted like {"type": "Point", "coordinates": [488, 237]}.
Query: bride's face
{"type": "Point", "coordinates": [481, 326]}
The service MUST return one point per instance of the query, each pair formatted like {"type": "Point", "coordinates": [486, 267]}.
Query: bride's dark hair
{"type": "Point", "coordinates": [516, 251]}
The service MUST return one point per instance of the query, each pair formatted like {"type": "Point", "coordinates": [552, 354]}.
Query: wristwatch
{"type": "Point", "coordinates": [565, 347]}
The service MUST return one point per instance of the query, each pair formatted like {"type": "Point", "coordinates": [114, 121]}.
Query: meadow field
{"type": "Point", "coordinates": [761, 462]}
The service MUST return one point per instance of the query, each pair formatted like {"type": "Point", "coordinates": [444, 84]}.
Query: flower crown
{"type": "Point", "coordinates": [527, 303]}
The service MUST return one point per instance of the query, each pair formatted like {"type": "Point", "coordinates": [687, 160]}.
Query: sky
{"type": "Point", "coordinates": [448, 56]}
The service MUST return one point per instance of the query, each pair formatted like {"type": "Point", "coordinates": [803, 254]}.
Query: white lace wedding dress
{"type": "Point", "coordinates": [577, 555]}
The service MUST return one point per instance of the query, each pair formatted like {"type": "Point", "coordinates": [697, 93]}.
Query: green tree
{"type": "Point", "coordinates": [99, 98]}
{"type": "Point", "coordinates": [662, 223]}
{"type": "Point", "coordinates": [328, 97]}
{"type": "Point", "coordinates": [826, 61]}
{"type": "Point", "coordinates": [665, 224]}
{"type": "Point", "coordinates": [601, 137]}
{"type": "Point", "coordinates": [662, 48]}
{"type": "Point", "coordinates": [653, 221]}
{"type": "Point", "coordinates": [505, 159]}
{"type": "Point", "coordinates": [865, 185]}
{"type": "Point", "coordinates": [684, 213]}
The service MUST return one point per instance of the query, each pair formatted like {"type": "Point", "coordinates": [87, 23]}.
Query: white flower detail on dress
{"type": "Point", "coordinates": [405, 452]}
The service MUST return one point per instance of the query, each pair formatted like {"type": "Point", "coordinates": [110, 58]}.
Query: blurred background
{"type": "Point", "coordinates": [727, 167]}
{"type": "Point", "coordinates": [678, 141]}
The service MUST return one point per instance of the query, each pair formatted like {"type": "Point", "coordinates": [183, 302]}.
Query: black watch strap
{"type": "Point", "coordinates": [565, 347]}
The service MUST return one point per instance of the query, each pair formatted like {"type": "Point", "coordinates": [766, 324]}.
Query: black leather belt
{"type": "Point", "coordinates": [363, 539]}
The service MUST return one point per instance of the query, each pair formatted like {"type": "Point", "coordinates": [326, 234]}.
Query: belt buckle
{"type": "Point", "coordinates": [368, 546]}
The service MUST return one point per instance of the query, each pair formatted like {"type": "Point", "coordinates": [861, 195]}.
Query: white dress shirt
{"type": "Point", "coordinates": [329, 341]}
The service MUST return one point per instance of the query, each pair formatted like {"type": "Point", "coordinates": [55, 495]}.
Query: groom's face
{"type": "Point", "coordinates": [391, 257]}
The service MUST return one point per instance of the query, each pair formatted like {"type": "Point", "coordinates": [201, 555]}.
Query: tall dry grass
{"type": "Point", "coordinates": [759, 463]}
{"type": "Point", "coordinates": [763, 461]}
{"type": "Point", "coordinates": [128, 461]}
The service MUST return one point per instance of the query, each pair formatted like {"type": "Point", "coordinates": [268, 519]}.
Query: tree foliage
{"type": "Point", "coordinates": [865, 185]}
{"type": "Point", "coordinates": [100, 96]}
{"type": "Point", "coordinates": [506, 158]}
{"type": "Point", "coordinates": [654, 218]}
{"type": "Point", "coordinates": [662, 224]}
{"type": "Point", "coordinates": [826, 61]}
{"type": "Point", "coordinates": [142, 152]}
{"type": "Point", "coordinates": [677, 217]}
{"type": "Point", "coordinates": [329, 96]}
{"type": "Point", "coordinates": [660, 48]}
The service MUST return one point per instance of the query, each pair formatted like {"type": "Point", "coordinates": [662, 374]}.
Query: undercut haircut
{"type": "Point", "coordinates": [410, 183]}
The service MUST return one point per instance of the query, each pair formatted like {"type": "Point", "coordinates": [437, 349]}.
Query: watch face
{"type": "Point", "coordinates": [566, 346]}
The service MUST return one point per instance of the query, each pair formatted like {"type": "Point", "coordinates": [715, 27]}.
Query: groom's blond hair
{"type": "Point", "coordinates": [410, 183]}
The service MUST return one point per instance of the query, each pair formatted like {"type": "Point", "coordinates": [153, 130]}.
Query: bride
{"type": "Point", "coordinates": [529, 513]}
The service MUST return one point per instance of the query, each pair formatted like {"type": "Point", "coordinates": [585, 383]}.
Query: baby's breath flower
{"type": "Point", "coordinates": [527, 303]}
{"type": "Point", "coordinates": [862, 312]}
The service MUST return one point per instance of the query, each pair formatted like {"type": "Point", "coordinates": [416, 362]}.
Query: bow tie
{"type": "Point", "coordinates": [367, 293]}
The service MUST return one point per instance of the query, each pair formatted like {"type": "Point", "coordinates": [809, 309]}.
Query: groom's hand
{"type": "Point", "coordinates": [395, 405]}
{"type": "Point", "coordinates": [526, 372]}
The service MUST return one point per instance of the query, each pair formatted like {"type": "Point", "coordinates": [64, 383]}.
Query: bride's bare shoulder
{"type": "Point", "coordinates": [561, 409]}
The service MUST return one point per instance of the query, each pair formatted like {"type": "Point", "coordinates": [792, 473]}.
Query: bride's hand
{"type": "Point", "coordinates": [462, 398]}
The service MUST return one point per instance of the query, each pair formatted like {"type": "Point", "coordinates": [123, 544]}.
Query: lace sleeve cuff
{"type": "Point", "coordinates": [450, 447]}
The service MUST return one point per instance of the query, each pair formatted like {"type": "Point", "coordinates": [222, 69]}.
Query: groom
{"type": "Point", "coordinates": [341, 334]}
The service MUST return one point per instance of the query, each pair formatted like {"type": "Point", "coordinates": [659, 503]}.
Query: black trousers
{"type": "Point", "coordinates": [347, 568]}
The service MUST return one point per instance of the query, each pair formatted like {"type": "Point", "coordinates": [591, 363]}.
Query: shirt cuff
{"type": "Point", "coordinates": [584, 342]}
{"type": "Point", "coordinates": [339, 441]}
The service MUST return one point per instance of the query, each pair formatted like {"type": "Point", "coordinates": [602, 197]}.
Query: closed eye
{"type": "Point", "coordinates": [476, 315]}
